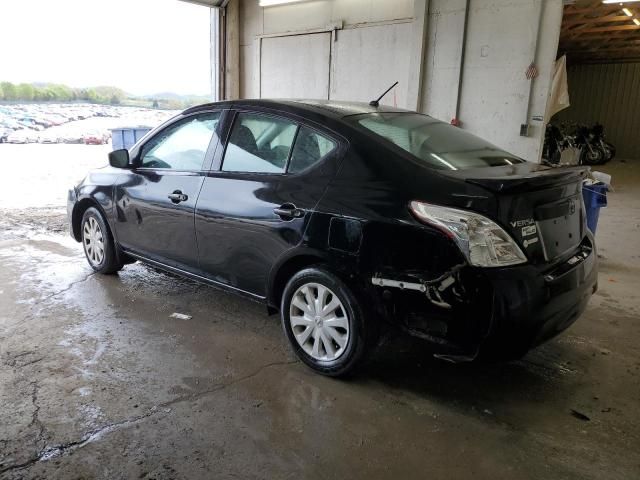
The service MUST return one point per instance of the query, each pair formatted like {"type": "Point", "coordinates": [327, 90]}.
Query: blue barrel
{"type": "Point", "coordinates": [595, 197]}
{"type": "Point", "coordinates": [126, 137]}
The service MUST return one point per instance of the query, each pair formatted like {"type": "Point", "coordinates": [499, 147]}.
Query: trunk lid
{"type": "Point", "coordinates": [540, 207]}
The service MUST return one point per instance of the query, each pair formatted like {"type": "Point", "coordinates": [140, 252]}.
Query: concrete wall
{"type": "Point", "coordinates": [500, 45]}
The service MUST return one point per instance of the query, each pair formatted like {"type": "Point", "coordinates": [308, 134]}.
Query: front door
{"type": "Point", "coordinates": [257, 204]}
{"type": "Point", "coordinates": [155, 202]}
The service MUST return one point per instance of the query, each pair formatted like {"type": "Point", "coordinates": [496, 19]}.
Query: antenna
{"type": "Point", "coordinates": [376, 103]}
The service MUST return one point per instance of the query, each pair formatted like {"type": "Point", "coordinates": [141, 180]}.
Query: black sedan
{"type": "Point", "coordinates": [350, 220]}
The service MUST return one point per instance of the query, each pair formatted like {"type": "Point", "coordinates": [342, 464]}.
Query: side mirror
{"type": "Point", "coordinates": [119, 158]}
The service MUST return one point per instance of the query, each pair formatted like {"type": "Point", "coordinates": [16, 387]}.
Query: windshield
{"type": "Point", "coordinates": [440, 145]}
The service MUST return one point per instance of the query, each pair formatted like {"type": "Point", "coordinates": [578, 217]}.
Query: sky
{"type": "Point", "coordinates": [141, 46]}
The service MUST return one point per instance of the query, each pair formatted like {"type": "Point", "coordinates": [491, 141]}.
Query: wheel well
{"type": "Point", "coordinates": [78, 211]}
{"type": "Point", "coordinates": [284, 273]}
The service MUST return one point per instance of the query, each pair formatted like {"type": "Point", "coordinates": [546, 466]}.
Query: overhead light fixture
{"type": "Point", "coordinates": [620, 1]}
{"type": "Point", "coordinates": [627, 12]}
{"type": "Point", "coordinates": [636, 21]}
{"type": "Point", "coordinates": [272, 3]}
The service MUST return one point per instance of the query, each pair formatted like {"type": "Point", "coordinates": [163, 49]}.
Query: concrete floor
{"type": "Point", "coordinates": [97, 381]}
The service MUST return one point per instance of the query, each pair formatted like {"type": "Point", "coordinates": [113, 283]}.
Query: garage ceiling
{"type": "Point", "coordinates": [593, 32]}
{"type": "Point", "coordinates": [209, 3]}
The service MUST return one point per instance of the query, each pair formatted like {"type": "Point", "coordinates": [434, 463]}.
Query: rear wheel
{"type": "Point", "coordinates": [98, 243]}
{"type": "Point", "coordinates": [324, 322]}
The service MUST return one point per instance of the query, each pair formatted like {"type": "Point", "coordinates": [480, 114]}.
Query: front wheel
{"type": "Point", "coordinates": [324, 322]}
{"type": "Point", "coordinates": [610, 152]}
{"type": "Point", "coordinates": [593, 156]}
{"type": "Point", "coordinates": [98, 243]}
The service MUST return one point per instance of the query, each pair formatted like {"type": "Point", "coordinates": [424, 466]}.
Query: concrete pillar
{"type": "Point", "coordinates": [418, 48]}
{"type": "Point", "coordinates": [217, 68]}
{"type": "Point", "coordinates": [232, 50]}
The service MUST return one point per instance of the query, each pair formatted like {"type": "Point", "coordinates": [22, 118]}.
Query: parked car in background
{"type": "Point", "coordinates": [349, 219]}
{"type": "Point", "coordinates": [22, 136]}
{"type": "Point", "coordinates": [49, 136]}
{"type": "Point", "coordinates": [95, 138]}
{"type": "Point", "coordinates": [71, 137]}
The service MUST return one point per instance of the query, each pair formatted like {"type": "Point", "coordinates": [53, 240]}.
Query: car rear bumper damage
{"type": "Point", "coordinates": [497, 313]}
{"type": "Point", "coordinates": [532, 308]}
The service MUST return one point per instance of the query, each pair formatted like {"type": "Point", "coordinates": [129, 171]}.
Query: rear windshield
{"type": "Point", "coordinates": [440, 145]}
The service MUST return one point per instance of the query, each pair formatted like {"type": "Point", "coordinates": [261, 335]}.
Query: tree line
{"type": "Point", "coordinates": [27, 92]}
{"type": "Point", "coordinates": [49, 92]}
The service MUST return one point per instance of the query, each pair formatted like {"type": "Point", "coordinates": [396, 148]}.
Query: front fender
{"type": "Point", "coordinates": [96, 190]}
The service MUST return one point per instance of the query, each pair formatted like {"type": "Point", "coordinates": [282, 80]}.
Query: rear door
{"type": "Point", "coordinates": [156, 202]}
{"type": "Point", "coordinates": [257, 201]}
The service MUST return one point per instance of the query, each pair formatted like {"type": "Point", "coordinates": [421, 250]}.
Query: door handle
{"type": "Point", "coordinates": [177, 196]}
{"type": "Point", "coordinates": [289, 211]}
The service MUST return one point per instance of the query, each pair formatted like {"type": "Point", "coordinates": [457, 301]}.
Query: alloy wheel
{"type": "Point", "coordinates": [93, 241]}
{"type": "Point", "coordinates": [319, 322]}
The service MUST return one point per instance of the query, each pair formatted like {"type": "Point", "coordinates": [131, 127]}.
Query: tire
{"type": "Point", "coordinates": [98, 244]}
{"type": "Point", "coordinates": [610, 152]}
{"type": "Point", "coordinates": [593, 157]}
{"type": "Point", "coordinates": [317, 337]}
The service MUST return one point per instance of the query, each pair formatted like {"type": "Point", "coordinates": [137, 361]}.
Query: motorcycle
{"type": "Point", "coordinates": [590, 152]}
{"type": "Point", "coordinates": [555, 142]}
{"type": "Point", "coordinates": [588, 143]}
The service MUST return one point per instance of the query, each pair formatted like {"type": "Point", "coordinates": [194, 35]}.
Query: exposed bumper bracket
{"type": "Point", "coordinates": [386, 282]}
{"type": "Point", "coordinates": [431, 288]}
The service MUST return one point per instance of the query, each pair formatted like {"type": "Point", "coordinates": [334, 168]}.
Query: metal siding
{"type": "Point", "coordinates": [609, 94]}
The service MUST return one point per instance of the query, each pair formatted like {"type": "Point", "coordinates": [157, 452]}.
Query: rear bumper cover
{"type": "Point", "coordinates": [503, 313]}
{"type": "Point", "coordinates": [531, 307]}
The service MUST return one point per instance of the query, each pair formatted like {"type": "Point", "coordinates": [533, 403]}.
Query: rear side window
{"type": "Point", "coordinates": [182, 146]}
{"type": "Point", "coordinates": [259, 144]}
{"type": "Point", "coordinates": [438, 144]}
{"type": "Point", "coordinates": [310, 148]}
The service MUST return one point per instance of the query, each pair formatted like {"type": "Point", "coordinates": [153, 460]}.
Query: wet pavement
{"type": "Point", "coordinates": [98, 381]}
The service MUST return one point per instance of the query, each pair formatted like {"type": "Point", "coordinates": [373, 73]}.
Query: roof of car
{"type": "Point", "coordinates": [329, 108]}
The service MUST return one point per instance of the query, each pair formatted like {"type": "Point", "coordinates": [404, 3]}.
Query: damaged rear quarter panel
{"type": "Point", "coordinates": [377, 237]}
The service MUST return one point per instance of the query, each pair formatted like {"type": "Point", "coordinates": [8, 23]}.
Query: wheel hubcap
{"type": "Point", "coordinates": [319, 321]}
{"type": "Point", "coordinates": [93, 241]}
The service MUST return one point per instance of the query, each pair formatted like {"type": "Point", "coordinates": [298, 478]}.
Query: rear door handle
{"type": "Point", "coordinates": [289, 211]}
{"type": "Point", "coordinates": [177, 196]}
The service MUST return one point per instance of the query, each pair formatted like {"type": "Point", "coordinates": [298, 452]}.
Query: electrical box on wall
{"type": "Point", "coordinates": [524, 130]}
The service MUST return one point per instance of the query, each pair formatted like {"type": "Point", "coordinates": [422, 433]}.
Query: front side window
{"type": "Point", "coordinates": [259, 144]}
{"type": "Point", "coordinates": [182, 146]}
{"type": "Point", "coordinates": [438, 144]}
